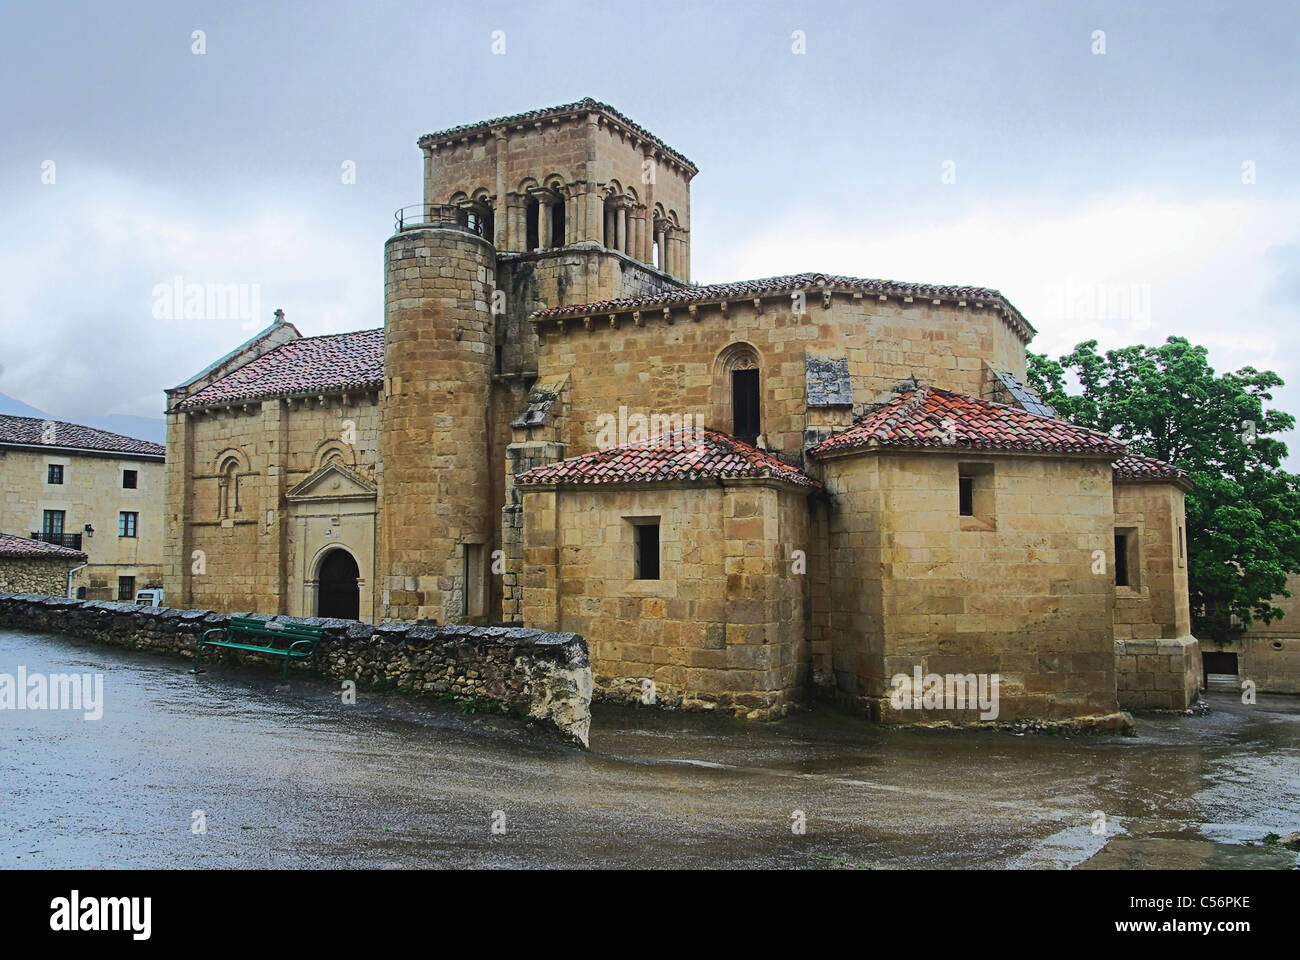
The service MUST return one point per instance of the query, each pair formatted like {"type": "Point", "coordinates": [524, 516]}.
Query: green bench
{"type": "Point", "coordinates": [299, 642]}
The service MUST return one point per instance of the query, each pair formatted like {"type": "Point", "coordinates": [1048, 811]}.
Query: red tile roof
{"type": "Point", "coordinates": [33, 431]}
{"type": "Point", "coordinates": [586, 105]}
{"type": "Point", "coordinates": [340, 361]}
{"type": "Point", "coordinates": [928, 417]}
{"type": "Point", "coordinates": [768, 286]}
{"type": "Point", "coordinates": [1135, 466]}
{"type": "Point", "coordinates": [673, 457]}
{"type": "Point", "coordinates": [15, 546]}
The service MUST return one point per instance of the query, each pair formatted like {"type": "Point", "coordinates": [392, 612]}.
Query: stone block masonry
{"type": "Point", "coordinates": [1158, 674]}
{"type": "Point", "coordinates": [541, 676]}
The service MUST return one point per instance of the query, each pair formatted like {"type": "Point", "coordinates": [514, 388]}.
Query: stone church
{"type": "Point", "coordinates": [744, 495]}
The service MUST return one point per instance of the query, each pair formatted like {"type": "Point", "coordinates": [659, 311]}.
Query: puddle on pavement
{"type": "Point", "coordinates": [402, 783]}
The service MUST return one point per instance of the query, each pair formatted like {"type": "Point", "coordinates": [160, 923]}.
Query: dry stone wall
{"type": "Point", "coordinates": [541, 676]}
{"type": "Point", "coordinates": [35, 575]}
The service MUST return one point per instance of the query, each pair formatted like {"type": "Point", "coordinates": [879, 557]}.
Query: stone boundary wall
{"type": "Point", "coordinates": [1158, 674]}
{"type": "Point", "coordinates": [1272, 663]}
{"type": "Point", "coordinates": [540, 676]}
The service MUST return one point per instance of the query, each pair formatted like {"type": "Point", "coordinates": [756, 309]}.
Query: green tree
{"type": "Point", "coordinates": [1243, 514]}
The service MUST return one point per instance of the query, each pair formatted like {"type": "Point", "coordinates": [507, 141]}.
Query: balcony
{"type": "Point", "coordinates": [72, 540]}
{"type": "Point", "coordinates": [442, 215]}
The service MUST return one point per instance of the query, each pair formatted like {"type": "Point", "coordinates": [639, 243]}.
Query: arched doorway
{"type": "Point", "coordinates": [337, 594]}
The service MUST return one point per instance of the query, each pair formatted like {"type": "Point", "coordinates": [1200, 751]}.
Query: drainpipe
{"type": "Point", "coordinates": [70, 573]}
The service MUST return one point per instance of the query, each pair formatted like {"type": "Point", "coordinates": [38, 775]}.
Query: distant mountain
{"type": "Point", "coordinates": [16, 408]}
{"type": "Point", "coordinates": [142, 428]}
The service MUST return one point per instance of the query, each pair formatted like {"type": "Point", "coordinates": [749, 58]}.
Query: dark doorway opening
{"type": "Point", "coordinates": [744, 405]}
{"type": "Point", "coordinates": [1217, 662]}
{"type": "Point", "coordinates": [1221, 669]}
{"type": "Point", "coordinates": [337, 594]}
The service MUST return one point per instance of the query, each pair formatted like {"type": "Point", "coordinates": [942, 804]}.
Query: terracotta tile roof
{"type": "Point", "coordinates": [585, 105]}
{"type": "Point", "coordinates": [14, 546]}
{"type": "Point", "coordinates": [672, 457]}
{"type": "Point", "coordinates": [742, 289]}
{"type": "Point", "coordinates": [339, 361]}
{"type": "Point", "coordinates": [928, 417]}
{"type": "Point", "coordinates": [1135, 466]}
{"type": "Point", "coordinates": [31, 431]}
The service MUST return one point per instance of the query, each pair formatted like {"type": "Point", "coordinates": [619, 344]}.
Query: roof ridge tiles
{"type": "Point", "coordinates": [665, 458]}
{"type": "Point", "coordinates": [32, 431]}
{"type": "Point", "coordinates": [928, 416]}
{"type": "Point", "coordinates": [326, 362]}
{"type": "Point", "coordinates": [736, 289]}
{"type": "Point", "coordinates": [586, 104]}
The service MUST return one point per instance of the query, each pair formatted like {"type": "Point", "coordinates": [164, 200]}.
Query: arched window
{"type": "Point", "coordinates": [228, 489]}
{"type": "Point", "coordinates": [736, 392]}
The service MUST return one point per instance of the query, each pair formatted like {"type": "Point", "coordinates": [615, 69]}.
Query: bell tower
{"type": "Point", "coordinates": [436, 527]}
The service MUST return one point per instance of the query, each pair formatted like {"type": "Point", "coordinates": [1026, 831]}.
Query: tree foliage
{"type": "Point", "coordinates": [1243, 513]}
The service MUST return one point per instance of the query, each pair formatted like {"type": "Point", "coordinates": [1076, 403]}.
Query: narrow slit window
{"type": "Point", "coordinates": [744, 405]}
{"type": "Point", "coordinates": [647, 551]}
{"type": "Point", "coordinates": [473, 600]}
{"type": "Point", "coordinates": [1121, 560]}
{"type": "Point", "coordinates": [966, 496]}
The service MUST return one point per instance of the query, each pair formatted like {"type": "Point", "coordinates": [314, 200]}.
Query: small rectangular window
{"type": "Point", "coordinates": [126, 524]}
{"type": "Point", "coordinates": [976, 496]}
{"type": "Point", "coordinates": [126, 588]}
{"type": "Point", "coordinates": [52, 524]}
{"type": "Point", "coordinates": [966, 496]}
{"type": "Point", "coordinates": [54, 473]}
{"type": "Point", "coordinates": [1121, 560]}
{"type": "Point", "coordinates": [647, 551]}
{"type": "Point", "coordinates": [129, 479]}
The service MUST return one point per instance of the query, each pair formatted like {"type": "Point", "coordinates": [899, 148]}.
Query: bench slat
{"type": "Point", "coordinates": [248, 646]}
{"type": "Point", "coordinates": [294, 635]}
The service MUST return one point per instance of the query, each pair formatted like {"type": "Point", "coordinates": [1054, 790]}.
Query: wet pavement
{"type": "Point", "coordinates": [293, 777]}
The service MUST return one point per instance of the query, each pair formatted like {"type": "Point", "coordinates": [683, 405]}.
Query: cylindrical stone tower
{"type": "Point", "coordinates": [436, 507]}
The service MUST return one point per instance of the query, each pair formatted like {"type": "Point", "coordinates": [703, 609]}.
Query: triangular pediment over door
{"type": "Point", "coordinates": [333, 481]}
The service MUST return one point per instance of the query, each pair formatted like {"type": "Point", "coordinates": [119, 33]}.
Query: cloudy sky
{"type": "Point", "coordinates": [1123, 185]}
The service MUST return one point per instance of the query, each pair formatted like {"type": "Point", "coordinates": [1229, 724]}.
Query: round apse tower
{"type": "Point", "coordinates": [435, 530]}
